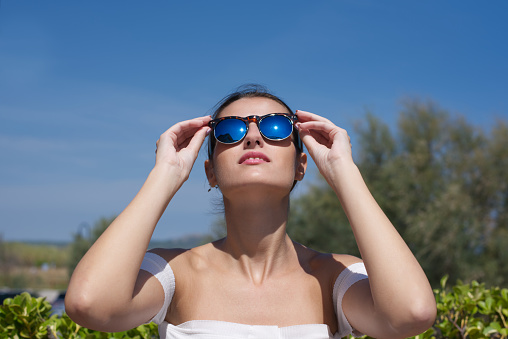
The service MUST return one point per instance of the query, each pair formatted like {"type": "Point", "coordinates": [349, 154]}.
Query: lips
{"type": "Point", "coordinates": [253, 158]}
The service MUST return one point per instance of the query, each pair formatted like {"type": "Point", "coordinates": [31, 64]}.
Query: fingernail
{"type": "Point", "coordinates": [208, 131]}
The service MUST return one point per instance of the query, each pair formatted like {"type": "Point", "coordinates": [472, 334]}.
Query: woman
{"type": "Point", "coordinates": [256, 282]}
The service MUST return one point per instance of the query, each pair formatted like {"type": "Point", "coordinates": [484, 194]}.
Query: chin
{"type": "Point", "coordinates": [255, 187]}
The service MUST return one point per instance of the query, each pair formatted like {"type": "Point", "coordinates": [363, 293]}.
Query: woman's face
{"type": "Point", "coordinates": [255, 163]}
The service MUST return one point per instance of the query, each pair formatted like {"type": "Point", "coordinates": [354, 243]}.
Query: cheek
{"type": "Point", "coordinates": [288, 166]}
{"type": "Point", "coordinates": [222, 166]}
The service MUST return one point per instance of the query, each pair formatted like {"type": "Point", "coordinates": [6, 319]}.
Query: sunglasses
{"type": "Point", "coordinates": [274, 126]}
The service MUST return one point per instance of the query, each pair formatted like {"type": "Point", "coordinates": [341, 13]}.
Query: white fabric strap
{"type": "Point", "coordinates": [345, 280]}
{"type": "Point", "coordinates": [159, 267]}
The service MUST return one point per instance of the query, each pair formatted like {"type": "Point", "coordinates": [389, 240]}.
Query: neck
{"type": "Point", "coordinates": [256, 235]}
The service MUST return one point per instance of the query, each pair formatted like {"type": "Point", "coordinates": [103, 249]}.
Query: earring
{"type": "Point", "coordinates": [216, 186]}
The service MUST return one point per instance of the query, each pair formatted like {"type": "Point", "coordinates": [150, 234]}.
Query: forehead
{"type": "Point", "coordinates": [253, 106]}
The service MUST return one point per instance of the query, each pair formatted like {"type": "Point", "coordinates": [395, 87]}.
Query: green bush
{"type": "Point", "coordinates": [469, 311]}
{"type": "Point", "coordinates": [25, 316]}
{"type": "Point", "coordinates": [464, 311]}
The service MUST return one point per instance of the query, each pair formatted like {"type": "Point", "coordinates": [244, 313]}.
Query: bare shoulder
{"type": "Point", "coordinates": [345, 259]}
{"type": "Point", "coordinates": [195, 258]}
{"type": "Point", "coordinates": [168, 253]}
{"type": "Point", "coordinates": [328, 263]}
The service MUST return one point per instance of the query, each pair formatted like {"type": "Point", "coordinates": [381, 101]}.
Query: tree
{"type": "Point", "coordinates": [441, 181]}
{"type": "Point", "coordinates": [317, 221]}
{"type": "Point", "coordinates": [82, 243]}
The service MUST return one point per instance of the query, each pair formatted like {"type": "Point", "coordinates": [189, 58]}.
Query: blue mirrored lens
{"type": "Point", "coordinates": [230, 130]}
{"type": "Point", "coordinates": [276, 127]}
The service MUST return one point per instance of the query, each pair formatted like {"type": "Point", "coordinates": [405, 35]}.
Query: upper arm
{"type": "Point", "coordinates": [359, 308]}
{"type": "Point", "coordinates": [148, 296]}
{"type": "Point", "coordinates": [365, 316]}
{"type": "Point", "coordinates": [357, 302]}
{"type": "Point", "coordinates": [147, 300]}
{"type": "Point", "coordinates": [351, 293]}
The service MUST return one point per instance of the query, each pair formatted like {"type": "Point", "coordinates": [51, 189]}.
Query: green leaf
{"type": "Point", "coordinates": [24, 333]}
{"type": "Point", "coordinates": [504, 293]}
{"type": "Point", "coordinates": [494, 327]}
{"type": "Point", "coordinates": [443, 281]}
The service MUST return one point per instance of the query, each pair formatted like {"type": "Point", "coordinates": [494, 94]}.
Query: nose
{"type": "Point", "coordinates": [253, 136]}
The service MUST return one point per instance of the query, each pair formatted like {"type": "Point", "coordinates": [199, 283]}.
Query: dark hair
{"type": "Point", "coordinates": [250, 91]}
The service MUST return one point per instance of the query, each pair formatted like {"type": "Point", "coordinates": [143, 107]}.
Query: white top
{"type": "Point", "coordinates": [213, 329]}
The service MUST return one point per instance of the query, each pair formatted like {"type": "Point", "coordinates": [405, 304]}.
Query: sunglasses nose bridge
{"type": "Point", "coordinates": [252, 118]}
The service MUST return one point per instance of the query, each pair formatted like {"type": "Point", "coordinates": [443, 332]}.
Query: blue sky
{"type": "Point", "coordinates": [86, 87]}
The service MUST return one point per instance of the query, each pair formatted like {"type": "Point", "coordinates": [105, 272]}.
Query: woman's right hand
{"type": "Point", "coordinates": [180, 144]}
{"type": "Point", "coordinates": [107, 291]}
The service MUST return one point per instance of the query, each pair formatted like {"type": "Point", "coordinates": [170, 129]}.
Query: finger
{"type": "Point", "coordinates": [183, 143]}
{"type": "Point", "coordinates": [309, 141]}
{"type": "Point", "coordinates": [316, 133]}
{"type": "Point", "coordinates": [184, 130]}
{"type": "Point", "coordinates": [323, 139]}
{"type": "Point", "coordinates": [187, 128]}
{"type": "Point", "coordinates": [197, 140]}
{"type": "Point", "coordinates": [320, 137]}
{"type": "Point", "coordinates": [304, 116]}
{"type": "Point", "coordinates": [323, 132]}
{"type": "Point", "coordinates": [324, 127]}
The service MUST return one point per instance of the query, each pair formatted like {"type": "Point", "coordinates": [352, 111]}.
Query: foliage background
{"type": "Point", "coordinates": [443, 183]}
{"type": "Point", "coordinates": [464, 311]}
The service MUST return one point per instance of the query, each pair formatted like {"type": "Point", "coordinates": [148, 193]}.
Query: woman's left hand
{"type": "Point", "coordinates": [395, 277]}
{"type": "Point", "coordinates": [327, 143]}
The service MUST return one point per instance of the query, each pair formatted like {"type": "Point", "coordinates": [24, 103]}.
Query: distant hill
{"type": "Point", "coordinates": [40, 243]}
{"type": "Point", "coordinates": [187, 241]}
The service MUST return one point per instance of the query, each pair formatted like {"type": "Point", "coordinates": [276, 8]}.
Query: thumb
{"type": "Point", "coordinates": [198, 139]}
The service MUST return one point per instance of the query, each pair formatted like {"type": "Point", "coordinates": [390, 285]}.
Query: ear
{"type": "Point", "coordinates": [210, 174]}
{"type": "Point", "coordinates": [301, 166]}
